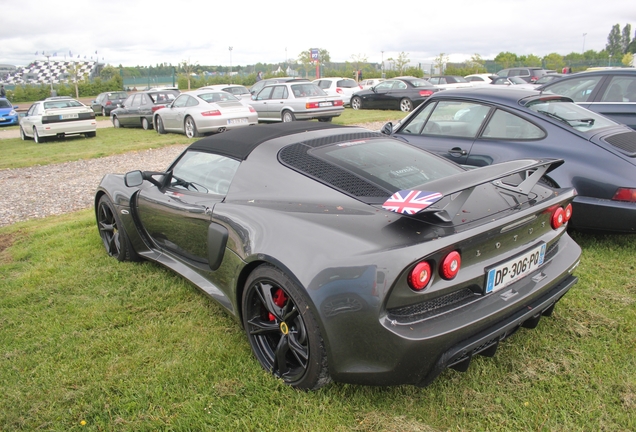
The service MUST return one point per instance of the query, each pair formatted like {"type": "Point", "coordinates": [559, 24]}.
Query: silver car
{"type": "Point", "coordinates": [296, 101]}
{"type": "Point", "coordinates": [204, 111]}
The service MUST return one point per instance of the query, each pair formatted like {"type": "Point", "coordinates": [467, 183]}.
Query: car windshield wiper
{"type": "Point", "coordinates": [588, 121]}
{"type": "Point", "coordinates": [188, 185]}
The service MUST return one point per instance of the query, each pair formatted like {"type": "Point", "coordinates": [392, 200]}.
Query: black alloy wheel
{"type": "Point", "coordinates": [285, 341]}
{"type": "Point", "coordinates": [112, 231]}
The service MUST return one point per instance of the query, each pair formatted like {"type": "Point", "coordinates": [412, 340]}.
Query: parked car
{"type": "Point", "coordinates": [449, 81]}
{"type": "Point", "coordinates": [528, 74]}
{"type": "Point", "coordinates": [511, 81]}
{"type": "Point", "coordinates": [104, 103]}
{"type": "Point", "coordinates": [8, 114]}
{"type": "Point", "coordinates": [241, 92]}
{"type": "Point", "coordinates": [296, 100]}
{"type": "Point", "coordinates": [343, 87]}
{"type": "Point", "coordinates": [404, 94]}
{"type": "Point", "coordinates": [487, 125]}
{"type": "Point", "coordinates": [138, 110]}
{"type": "Point", "coordinates": [480, 79]}
{"type": "Point", "coordinates": [204, 111]}
{"type": "Point", "coordinates": [57, 117]}
{"type": "Point", "coordinates": [611, 92]}
{"type": "Point", "coordinates": [262, 83]}
{"type": "Point", "coordinates": [322, 242]}
{"type": "Point", "coordinates": [371, 82]}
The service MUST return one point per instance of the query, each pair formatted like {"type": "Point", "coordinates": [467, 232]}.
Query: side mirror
{"type": "Point", "coordinates": [134, 178]}
{"type": "Point", "coordinates": [387, 129]}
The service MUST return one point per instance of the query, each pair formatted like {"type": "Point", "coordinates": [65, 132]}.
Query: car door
{"type": "Point", "coordinates": [261, 101]}
{"type": "Point", "coordinates": [178, 217]}
{"type": "Point", "coordinates": [129, 115]}
{"type": "Point", "coordinates": [446, 127]}
{"type": "Point", "coordinates": [31, 119]}
{"type": "Point", "coordinates": [616, 99]}
{"type": "Point", "coordinates": [172, 115]}
{"type": "Point", "coordinates": [383, 96]}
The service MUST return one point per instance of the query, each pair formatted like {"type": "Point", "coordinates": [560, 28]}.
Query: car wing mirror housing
{"type": "Point", "coordinates": [137, 177]}
{"type": "Point", "coordinates": [387, 129]}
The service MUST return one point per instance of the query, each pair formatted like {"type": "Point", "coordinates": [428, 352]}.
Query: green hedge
{"type": "Point", "coordinates": [29, 92]}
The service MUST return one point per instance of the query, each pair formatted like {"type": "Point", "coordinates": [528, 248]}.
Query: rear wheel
{"type": "Point", "coordinates": [145, 124]}
{"type": "Point", "coordinates": [356, 103]}
{"type": "Point", "coordinates": [190, 128]}
{"type": "Point", "coordinates": [90, 134]}
{"type": "Point", "coordinates": [37, 138]}
{"type": "Point", "coordinates": [159, 124]}
{"type": "Point", "coordinates": [288, 116]}
{"type": "Point", "coordinates": [282, 330]}
{"type": "Point", "coordinates": [406, 105]}
{"type": "Point", "coordinates": [112, 231]}
{"type": "Point", "coordinates": [325, 119]}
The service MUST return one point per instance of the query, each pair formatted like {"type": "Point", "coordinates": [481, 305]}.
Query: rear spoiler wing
{"type": "Point", "coordinates": [460, 186]}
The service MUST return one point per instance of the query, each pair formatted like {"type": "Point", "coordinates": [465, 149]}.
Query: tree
{"type": "Point", "coordinates": [614, 42]}
{"type": "Point", "coordinates": [506, 59]}
{"type": "Point", "coordinates": [628, 60]}
{"type": "Point", "coordinates": [554, 61]}
{"type": "Point", "coordinates": [476, 63]}
{"type": "Point", "coordinates": [402, 61]}
{"type": "Point", "coordinates": [440, 61]}
{"type": "Point", "coordinates": [533, 61]}
{"type": "Point", "coordinates": [188, 69]}
{"type": "Point", "coordinates": [626, 38]}
{"type": "Point", "coordinates": [108, 72]}
{"type": "Point", "coordinates": [304, 58]}
{"type": "Point", "coordinates": [357, 60]}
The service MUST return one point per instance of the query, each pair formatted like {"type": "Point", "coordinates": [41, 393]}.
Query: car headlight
{"type": "Point", "coordinates": [13, 112]}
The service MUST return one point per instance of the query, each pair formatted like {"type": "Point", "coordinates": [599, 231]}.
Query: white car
{"type": "Point", "coordinates": [480, 79]}
{"type": "Point", "coordinates": [343, 87]}
{"type": "Point", "coordinates": [368, 83]}
{"type": "Point", "coordinates": [202, 111]}
{"type": "Point", "coordinates": [57, 117]}
{"type": "Point", "coordinates": [449, 81]}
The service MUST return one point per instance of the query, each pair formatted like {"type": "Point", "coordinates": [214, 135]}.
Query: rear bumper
{"type": "Point", "coordinates": [67, 128]}
{"type": "Point", "coordinates": [308, 115]}
{"type": "Point", "coordinates": [605, 215]}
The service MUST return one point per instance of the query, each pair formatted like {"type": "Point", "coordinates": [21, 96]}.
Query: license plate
{"type": "Point", "coordinates": [324, 104]}
{"type": "Point", "coordinates": [68, 116]}
{"type": "Point", "coordinates": [512, 270]}
{"type": "Point", "coordinates": [237, 121]}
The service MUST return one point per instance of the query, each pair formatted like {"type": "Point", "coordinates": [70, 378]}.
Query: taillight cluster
{"type": "Point", "coordinates": [426, 92]}
{"type": "Point", "coordinates": [157, 107]}
{"type": "Point", "coordinates": [421, 274]}
{"type": "Point", "coordinates": [625, 194]}
{"type": "Point", "coordinates": [560, 216]}
{"type": "Point", "coordinates": [211, 113]}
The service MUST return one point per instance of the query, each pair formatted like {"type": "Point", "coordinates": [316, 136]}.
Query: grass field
{"type": "Point", "coordinates": [88, 343]}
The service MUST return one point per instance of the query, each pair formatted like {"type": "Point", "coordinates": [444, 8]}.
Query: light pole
{"type": "Point", "coordinates": [382, 67]}
{"type": "Point", "coordinates": [609, 62]}
{"type": "Point", "coordinates": [230, 65]}
{"type": "Point", "coordinates": [583, 50]}
{"type": "Point", "coordinates": [48, 61]}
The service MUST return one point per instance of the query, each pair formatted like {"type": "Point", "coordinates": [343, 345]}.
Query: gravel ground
{"type": "Point", "coordinates": [41, 191]}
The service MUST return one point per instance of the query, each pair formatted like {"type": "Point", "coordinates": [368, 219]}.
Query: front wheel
{"type": "Point", "coordinates": [145, 124]}
{"type": "Point", "coordinates": [104, 114]}
{"type": "Point", "coordinates": [116, 123]}
{"type": "Point", "coordinates": [406, 105]}
{"type": "Point", "coordinates": [190, 128]}
{"type": "Point", "coordinates": [356, 103]}
{"type": "Point", "coordinates": [282, 330]}
{"type": "Point", "coordinates": [22, 134]}
{"type": "Point", "coordinates": [112, 231]}
{"type": "Point", "coordinates": [288, 116]}
{"type": "Point", "coordinates": [159, 124]}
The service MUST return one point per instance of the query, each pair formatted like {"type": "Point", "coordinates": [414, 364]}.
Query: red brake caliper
{"type": "Point", "coordinates": [279, 298]}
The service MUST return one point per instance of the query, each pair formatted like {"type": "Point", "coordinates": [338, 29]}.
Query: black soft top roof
{"type": "Point", "coordinates": [239, 143]}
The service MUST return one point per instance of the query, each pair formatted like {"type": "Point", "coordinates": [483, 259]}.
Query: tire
{"type": "Point", "coordinates": [104, 113]}
{"type": "Point", "coordinates": [90, 134]}
{"type": "Point", "coordinates": [406, 105]}
{"type": "Point", "coordinates": [116, 123]}
{"type": "Point", "coordinates": [288, 116]}
{"type": "Point", "coordinates": [37, 138]}
{"type": "Point", "coordinates": [282, 330]}
{"type": "Point", "coordinates": [325, 119]}
{"type": "Point", "coordinates": [112, 232]}
{"type": "Point", "coordinates": [190, 128]}
{"type": "Point", "coordinates": [145, 124]}
{"type": "Point", "coordinates": [159, 125]}
{"type": "Point", "coordinates": [23, 135]}
{"type": "Point", "coordinates": [356, 103]}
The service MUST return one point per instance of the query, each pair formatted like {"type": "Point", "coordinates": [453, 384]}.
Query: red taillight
{"type": "Point", "coordinates": [108, 103]}
{"type": "Point", "coordinates": [420, 276]}
{"type": "Point", "coordinates": [625, 194]}
{"type": "Point", "coordinates": [339, 102]}
{"type": "Point", "coordinates": [310, 105]}
{"type": "Point", "coordinates": [252, 108]}
{"type": "Point", "coordinates": [426, 92]}
{"type": "Point", "coordinates": [568, 212]}
{"type": "Point", "coordinates": [211, 113]}
{"type": "Point", "coordinates": [558, 218]}
{"type": "Point", "coordinates": [450, 265]}
{"type": "Point", "coordinates": [157, 107]}
{"type": "Point", "coordinates": [339, 90]}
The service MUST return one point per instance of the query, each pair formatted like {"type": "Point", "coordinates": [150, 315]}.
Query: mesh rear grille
{"type": "Point", "coordinates": [296, 157]}
{"type": "Point", "coordinates": [432, 307]}
{"type": "Point", "coordinates": [625, 142]}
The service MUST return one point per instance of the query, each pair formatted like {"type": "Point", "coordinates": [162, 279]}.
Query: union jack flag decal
{"type": "Point", "coordinates": [411, 201]}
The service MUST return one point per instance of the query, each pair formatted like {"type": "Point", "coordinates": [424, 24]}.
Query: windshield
{"type": "Point", "coordinates": [5, 104]}
{"type": "Point", "coordinates": [420, 83]}
{"type": "Point", "coordinates": [62, 103]}
{"type": "Point", "coordinates": [571, 114]}
{"type": "Point", "coordinates": [217, 97]}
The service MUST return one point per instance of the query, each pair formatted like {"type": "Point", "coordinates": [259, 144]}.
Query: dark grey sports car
{"type": "Point", "coordinates": [347, 254]}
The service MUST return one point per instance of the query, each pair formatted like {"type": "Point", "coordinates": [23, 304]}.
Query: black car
{"type": "Point", "coordinates": [490, 124]}
{"type": "Point", "coordinates": [611, 92]}
{"type": "Point", "coordinates": [347, 254]}
{"type": "Point", "coordinates": [139, 108]}
{"type": "Point", "coordinates": [400, 93]}
{"type": "Point", "coordinates": [104, 103]}
{"type": "Point", "coordinates": [528, 74]}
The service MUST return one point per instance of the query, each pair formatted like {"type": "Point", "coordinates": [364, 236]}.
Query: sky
{"type": "Point", "coordinates": [146, 33]}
